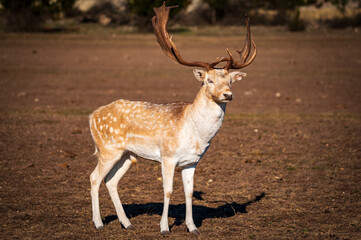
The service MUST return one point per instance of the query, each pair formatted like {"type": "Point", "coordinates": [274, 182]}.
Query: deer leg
{"type": "Point", "coordinates": [111, 181]}
{"type": "Point", "coordinates": [104, 165]}
{"type": "Point", "coordinates": [187, 176]}
{"type": "Point", "coordinates": [167, 173]}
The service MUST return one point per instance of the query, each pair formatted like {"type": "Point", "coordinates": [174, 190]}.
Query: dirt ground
{"type": "Point", "coordinates": [286, 163]}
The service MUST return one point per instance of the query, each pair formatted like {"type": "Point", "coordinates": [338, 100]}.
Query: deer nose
{"type": "Point", "coordinates": [228, 96]}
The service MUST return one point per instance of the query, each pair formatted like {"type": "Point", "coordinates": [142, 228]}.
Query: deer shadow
{"type": "Point", "coordinates": [177, 212]}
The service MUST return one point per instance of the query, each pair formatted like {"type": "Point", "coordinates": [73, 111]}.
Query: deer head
{"type": "Point", "coordinates": [217, 81]}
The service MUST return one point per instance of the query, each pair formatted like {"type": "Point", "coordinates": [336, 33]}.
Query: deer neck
{"type": "Point", "coordinates": [205, 116]}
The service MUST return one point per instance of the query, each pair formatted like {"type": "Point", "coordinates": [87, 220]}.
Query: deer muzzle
{"type": "Point", "coordinates": [228, 96]}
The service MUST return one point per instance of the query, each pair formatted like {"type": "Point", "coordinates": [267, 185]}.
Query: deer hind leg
{"type": "Point", "coordinates": [111, 181]}
{"type": "Point", "coordinates": [168, 174]}
{"type": "Point", "coordinates": [105, 164]}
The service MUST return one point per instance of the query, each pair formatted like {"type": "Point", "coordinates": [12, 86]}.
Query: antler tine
{"type": "Point", "coordinates": [222, 59]}
{"type": "Point", "coordinates": [230, 61]}
{"type": "Point", "coordinates": [159, 22]}
{"type": "Point", "coordinates": [244, 53]}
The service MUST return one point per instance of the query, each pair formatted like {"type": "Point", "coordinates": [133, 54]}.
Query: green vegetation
{"type": "Point", "coordinates": [60, 112]}
{"type": "Point", "coordinates": [30, 15]}
{"type": "Point", "coordinates": [39, 15]}
{"type": "Point", "coordinates": [144, 8]}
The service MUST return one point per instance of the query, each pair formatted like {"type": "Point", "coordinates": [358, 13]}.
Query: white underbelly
{"type": "Point", "coordinates": [147, 152]}
{"type": "Point", "coordinates": [144, 147]}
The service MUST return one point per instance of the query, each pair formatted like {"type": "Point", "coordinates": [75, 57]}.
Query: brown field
{"type": "Point", "coordinates": [286, 167]}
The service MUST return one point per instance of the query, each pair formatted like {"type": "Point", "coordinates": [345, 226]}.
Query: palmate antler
{"type": "Point", "coordinates": [159, 22]}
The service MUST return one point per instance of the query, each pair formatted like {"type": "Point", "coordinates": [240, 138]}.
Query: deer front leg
{"type": "Point", "coordinates": [167, 173]}
{"type": "Point", "coordinates": [187, 176]}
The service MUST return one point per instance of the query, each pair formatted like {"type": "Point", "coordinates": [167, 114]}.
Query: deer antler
{"type": "Point", "coordinates": [159, 22]}
{"type": "Point", "coordinates": [159, 25]}
{"type": "Point", "coordinates": [244, 53]}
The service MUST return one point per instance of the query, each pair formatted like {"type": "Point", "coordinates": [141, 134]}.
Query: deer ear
{"type": "Point", "coordinates": [236, 76]}
{"type": "Point", "coordinates": [199, 74]}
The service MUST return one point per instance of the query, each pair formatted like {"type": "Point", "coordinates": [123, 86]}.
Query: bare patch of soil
{"type": "Point", "coordinates": [285, 164]}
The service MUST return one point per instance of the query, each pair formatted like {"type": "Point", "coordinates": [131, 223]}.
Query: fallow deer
{"type": "Point", "coordinates": [174, 134]}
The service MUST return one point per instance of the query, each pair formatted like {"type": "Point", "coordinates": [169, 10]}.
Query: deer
{"type": "Point", "coordinates": [173, 134]}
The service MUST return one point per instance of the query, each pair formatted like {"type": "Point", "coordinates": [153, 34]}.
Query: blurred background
{"type": "Point", "coordinates": [134, 15]}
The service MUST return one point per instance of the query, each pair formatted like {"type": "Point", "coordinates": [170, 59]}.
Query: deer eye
{"type": "Point", "coordinates": [210, 81]}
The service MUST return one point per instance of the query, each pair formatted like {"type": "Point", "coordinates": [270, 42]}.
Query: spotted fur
{"type": "Point", "coordinates": [174, 134]}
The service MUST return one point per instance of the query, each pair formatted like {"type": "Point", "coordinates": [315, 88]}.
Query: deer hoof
{"type": "Point", "coordinates": [165, 232]}
{"type": "Point", "coordinates": [130, 227]}
{"type": "Point", "coordinates": [100, 227]}
{"type": "Point", "coordinates": [195, 231]}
